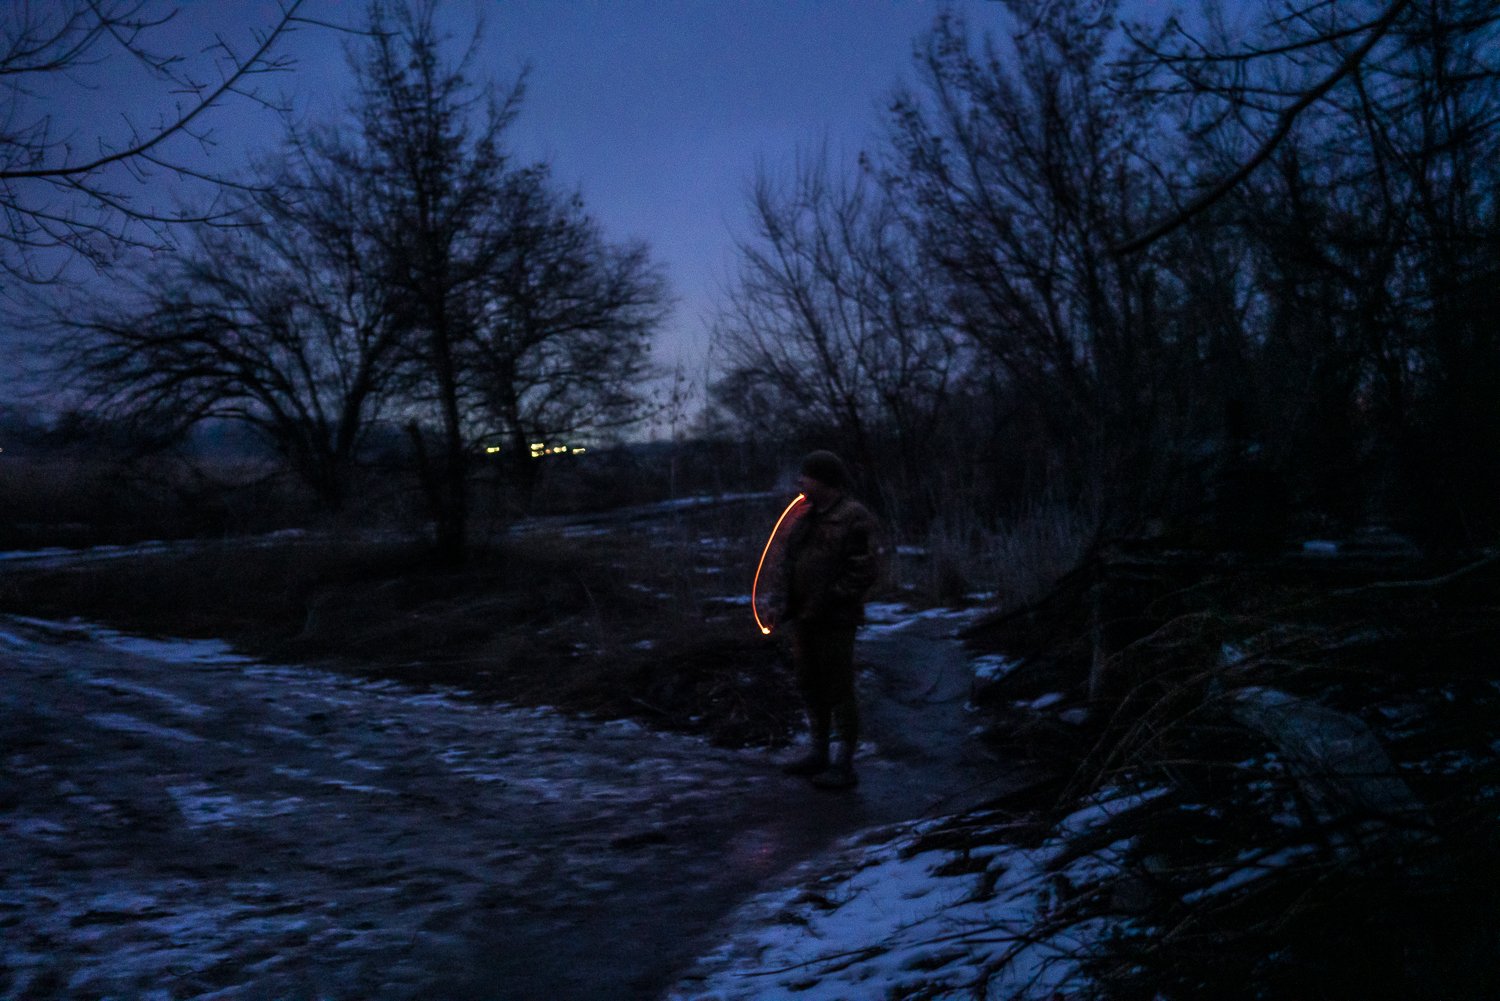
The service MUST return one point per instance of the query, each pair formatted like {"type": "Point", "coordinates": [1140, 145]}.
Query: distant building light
{"type": "Point", "coordinates": [540, 449]}
{"type": "Point", "coordinates": [491, 449]}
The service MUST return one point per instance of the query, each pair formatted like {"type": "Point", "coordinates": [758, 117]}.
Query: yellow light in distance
{"type": "Point", "coordinates": [765, 629]}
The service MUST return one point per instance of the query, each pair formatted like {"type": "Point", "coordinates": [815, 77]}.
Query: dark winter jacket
{"type": "Point", "coordinates": [832, 558]}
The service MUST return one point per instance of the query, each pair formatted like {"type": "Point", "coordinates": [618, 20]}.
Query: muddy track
{"type": "Point", "coordinates": [183, 823]}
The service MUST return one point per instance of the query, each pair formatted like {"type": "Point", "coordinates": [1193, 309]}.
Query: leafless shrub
{"type": "Point", "coordinates": [1321, 799]}
{"type": "Point", "coordinates": [965, 557]}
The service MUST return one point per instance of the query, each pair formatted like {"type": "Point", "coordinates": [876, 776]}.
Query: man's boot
{"type": "Point", "coordinates": [816, 758]}
{"type": "Point", "coordinates": [839, 775]}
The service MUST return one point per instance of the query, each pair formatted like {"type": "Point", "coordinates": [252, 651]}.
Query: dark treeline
{"type": "Point", "coordinates": [396, 268]}
{"type": "Point", "coordinates": [1173, 277]}
{"type": "Point", "coordinates": [1113, 278]}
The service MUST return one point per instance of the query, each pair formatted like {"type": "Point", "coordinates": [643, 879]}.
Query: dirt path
{"type": "Point", "coordinates": [181, 823]}
{"type": "Point", "coordinates": [915, 693]}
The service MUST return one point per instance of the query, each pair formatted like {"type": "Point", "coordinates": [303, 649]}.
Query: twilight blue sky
{"type": "Point", "coordinates": [657, 111]}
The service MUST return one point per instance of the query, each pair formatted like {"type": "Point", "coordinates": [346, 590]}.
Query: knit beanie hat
{"type": "Point", "coordinates": [826, 468]}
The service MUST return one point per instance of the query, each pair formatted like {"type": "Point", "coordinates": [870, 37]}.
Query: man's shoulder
{"type": "Point", "coordinates": [852, 513]}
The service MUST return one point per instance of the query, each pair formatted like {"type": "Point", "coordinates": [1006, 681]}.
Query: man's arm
{"type": "Point", "coordinates": [860, 565]}
{"type": "Point", "coordinates": [781, 573]}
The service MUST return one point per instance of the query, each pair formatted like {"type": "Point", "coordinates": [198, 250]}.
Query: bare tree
{"type": "Point", "coordinates": [279, 323]}
{"type": "Point", "coordinates": [427, 156]}
{"type": "Point", "coordinates": [516, 312]}
{"type": "Point", "coordinates": [833, 323]}
{"type": "Point", "coordinates": [1307, 52]}
{"type": "Point", "coordinates": [67, 196]}
{"type": "Point", "coordinates": [401, 268]}
{"type": "Point", "coordinates": [563, 328]}
{"type": "Point", "coordinates": [1020, 168]}
{"type": "Point", "coordinates": [1357, 144]}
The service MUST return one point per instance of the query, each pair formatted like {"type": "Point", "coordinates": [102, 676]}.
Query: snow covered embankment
{"type": "Point", "coordinates": [907, 913]}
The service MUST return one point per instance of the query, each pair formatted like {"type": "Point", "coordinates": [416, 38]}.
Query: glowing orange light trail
{"type": "Point", "coordinates": [765, 629]}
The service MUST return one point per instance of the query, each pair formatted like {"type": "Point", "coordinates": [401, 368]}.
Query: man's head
{"type": "Point", "coordinates": [823, 477]}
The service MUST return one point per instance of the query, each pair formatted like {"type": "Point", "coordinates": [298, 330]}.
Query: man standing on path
{"type": "Point", "coordinates": [831, 560]}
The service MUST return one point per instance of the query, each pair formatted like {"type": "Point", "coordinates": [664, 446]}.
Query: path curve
{"type": "Point", "coordinates": [184, 823]}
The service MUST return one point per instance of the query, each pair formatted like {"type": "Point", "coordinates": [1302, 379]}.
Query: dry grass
{"type": "Point", "coordinates": [1357, 895]}
{"type": "Point", "coordinates": [1015, 562]}
{"type": "Point", "coordinates": [70, 501]}
{"type": "Point", "coordinates": [620, 625]}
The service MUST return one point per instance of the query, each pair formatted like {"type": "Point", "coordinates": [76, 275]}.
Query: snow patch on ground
{"type": "Point", "coordinates": [11, 639]}
{"type": "Point", "coordinates": [736, 600]}
{"type": "Point", "coordinates": [1252, 866]}
{"type": "Point", "coordinates": [884, 618]}
{"type": "Point", "coordinates": [377, 822]}
{"type": "Point", "coordinates": [125, 723]}
{"type": "Point", "coordinates": [993, 666]}
{"type": "Point", "coordinates": [886, 613]}
{"type": "Point", "coordinates": [38, 554]}
{"type": "Point", "coordinates": [174, 703]}
{"type": "Point", "coordinates": [202, 806]}
{"type": "Point", "coordinates": [172, 651]}
{"type": "Point", "coordinates": [888, 922]}
{"type": "Point", "coordinates": [58, 554]}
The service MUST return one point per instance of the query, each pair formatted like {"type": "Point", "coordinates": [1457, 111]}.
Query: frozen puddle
{"type": "Point", "coordinates": [179, 823]}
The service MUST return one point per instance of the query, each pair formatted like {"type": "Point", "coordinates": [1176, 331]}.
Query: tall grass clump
{"type": "Point", "coordinates": [1012, 562]}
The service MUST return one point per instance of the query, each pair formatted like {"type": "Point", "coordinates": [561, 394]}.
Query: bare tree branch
{"type": "Point", "coordinates": [80, 206]}
{"type": "Point", "coordinates": [1375, 31]}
